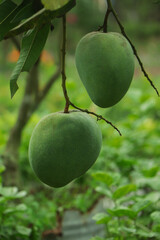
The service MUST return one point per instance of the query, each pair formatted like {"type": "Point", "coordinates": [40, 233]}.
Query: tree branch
{"type": "Point", "coordinates": [104, 26]}
{"type": "Point", "coordinates": [133, 47]}
{"type": "Point", "coordinates": [99, 117]}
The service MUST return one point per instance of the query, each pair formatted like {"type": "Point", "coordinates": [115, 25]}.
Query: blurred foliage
{"type": "Point", "coordinates": [138, 11]}
{"type": "Point", "coordinates": [141, 19]}
{"type": "Point", "coordinates": [20, 217]}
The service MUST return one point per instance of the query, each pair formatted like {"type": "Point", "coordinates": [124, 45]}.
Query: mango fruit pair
{"type": "Point", "coordinates": [105, 63]}
{"type": "Point", "coordinates": [63, 146]}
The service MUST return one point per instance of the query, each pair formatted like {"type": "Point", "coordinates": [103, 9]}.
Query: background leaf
{"type": "Point", "coordinates": [121, 212]}
{"type": "Point", "coordinates": [156, 216]}
{"type": "Point", "coordinates": [103, 177]}
{"type": "Point", "coordinates": [124, 190]}
{"type": "Point", "coordinates": [23, 230]}
{"type": "Point", "coordinates": [101, 218]}
{"type": "Point", "coordinates": [150, 172]}
{"type": "Point", "coordinates": [142, 204]}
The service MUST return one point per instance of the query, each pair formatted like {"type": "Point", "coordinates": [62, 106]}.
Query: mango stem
{"type": "Point", "coordinates": [63, 65]}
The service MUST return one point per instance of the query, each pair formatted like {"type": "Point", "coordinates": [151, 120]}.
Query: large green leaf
{"type": "Point", "coordinates": [6, 8]}
{"type": "Point", "coordinates": [32, 45]}
{"type": "Point", "coordinates": [42, 16]}
{"type": "Point", "coordinates": [8, 19]}
{"type": "Point", "coordinates": [124, 190]}
{"type": "Point", "coordinates": [24, 13]}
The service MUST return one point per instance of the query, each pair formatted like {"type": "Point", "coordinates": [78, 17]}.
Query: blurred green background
{"type": "Point", "coordinates": [134, 157]}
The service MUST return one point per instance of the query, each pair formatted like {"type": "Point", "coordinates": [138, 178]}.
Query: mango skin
{"type": "Point", "coordinates": [63, 146]}
{"type": "Point", "coordinates": [105, 63]}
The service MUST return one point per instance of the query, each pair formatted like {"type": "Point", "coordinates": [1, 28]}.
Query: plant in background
{"type": "Point", "coordinates": [132, 213]}
{"type": "Point", "coordinates": [37, 20]}
{"type": "Point", "coordinates": [12, 211]}
{"type": "Point", "coordinates": [20, 217]}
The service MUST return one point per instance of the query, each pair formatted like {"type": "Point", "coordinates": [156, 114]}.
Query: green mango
{"type": "Point", "coordinates": [105, 63]}
{"type": "Point", "coordinates": [63, 146]}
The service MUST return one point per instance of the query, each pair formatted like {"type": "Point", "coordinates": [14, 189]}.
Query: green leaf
{"type": "Point", "coordinates": [103, 177]}
{"type": "Point", "coordinates": [149, 173]}
{"type": "Point", "coordinates": [140, 205]}
{"type": "Point", "coordinates": [5, 22]}
{"type": "Point", "coordinates": [24, 12]}
{"type": "Point", "coordinates": [153, 197]}
{"type": "Point", "coordinates": [128, 230]}
{"type": "Point", "coordinates": [54, 4]}
{"type": "Point", "coordinates": [104, 191]}
{"type": "Point", "coordinates": [19, 208]}
{"type": "Point", "coordinates": [8, 191]}
{"type": "Point", "coordinates": [121, 212]}
{"type": "Point", "coordinates": [6, 8]}
{"type": "Point", "coordinates": [42, 16]}
{"type": "Point", "coordinates": [12, 192]}
{"type": "Point", "coordinates": [124, 190]}
{"type": "Point", "coordinates": [146, 234]}
{"type": "Point", "coordinates": [101, 218]}
{"type": "Point", "coordinates": [2, 199]}
{"type": "Point", "coordinates": [2, 168]}
{"type": "Point", "coordinates": [21, 194]}
{"type": "Point", "coordinates": [23, 230]}
{"type": "Point", "coordinates": [18, 2]}
{"type": "Point", "coordinates": [32, 45]}
{"type": "Point", "coordinates": [156, 216]}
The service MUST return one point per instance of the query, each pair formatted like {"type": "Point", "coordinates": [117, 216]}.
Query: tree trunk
{"type": "Point", "coordinates": [25, 111]}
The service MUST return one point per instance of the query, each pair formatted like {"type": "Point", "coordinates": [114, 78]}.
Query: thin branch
{"type": "Point", "coordinates": [99, 117]}
{"type": "Point", "coordinates": [63, 72]}
{"type": "Point", "coordinates": [104, 26]}
{"type": "Point", "coordinates": [133, 47]}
